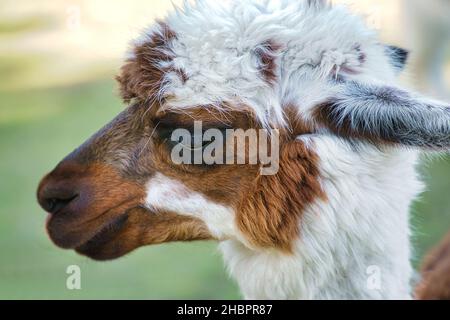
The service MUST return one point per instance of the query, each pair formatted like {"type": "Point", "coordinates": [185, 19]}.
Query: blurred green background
{"type": "Point", "coordinates": [57, 62]}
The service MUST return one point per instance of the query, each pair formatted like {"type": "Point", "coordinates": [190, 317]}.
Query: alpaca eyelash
{"type": "Point", "coordinates": [196, 148]}
{"type": "Point", "coordinates": [192, 147]}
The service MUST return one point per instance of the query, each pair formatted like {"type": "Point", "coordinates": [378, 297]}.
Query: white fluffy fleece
{"type": "Point", "coordinates": [217, 42]}
{"type": "Point", "coordinates": [359, 235]}
{"type": "Point", "coordinates": [363, 226]}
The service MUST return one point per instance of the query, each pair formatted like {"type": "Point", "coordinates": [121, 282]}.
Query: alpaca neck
{"type": "Point", "coordinates": [354, 245]}
{"type": "Point", "coordinates": [272, 275]}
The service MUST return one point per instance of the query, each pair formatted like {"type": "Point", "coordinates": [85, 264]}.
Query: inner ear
{"type": "Point", "coordinates": [270, 212]}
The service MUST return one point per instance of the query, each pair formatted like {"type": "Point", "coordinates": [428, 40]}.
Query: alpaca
{"type": "Point", "coordinates": [332, 223]}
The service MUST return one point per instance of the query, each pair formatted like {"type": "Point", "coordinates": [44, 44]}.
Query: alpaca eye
{"type": "Point", "coordinates": [197, 143]}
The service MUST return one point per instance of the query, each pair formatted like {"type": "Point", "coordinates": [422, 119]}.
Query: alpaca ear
{"type": "Point", "coordinates": [129, 81]}
{"type": "Point", "coordinates": [141, 77]}
{"type": "Point", "coordinates": [398, 57]}
{"type": "Point", "coordinates": [386, 114]}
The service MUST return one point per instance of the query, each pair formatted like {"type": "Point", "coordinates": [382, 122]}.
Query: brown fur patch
{"type": "Point", "coordinates": [270, 211]}
{"type": "Point", "coordinates": [141, 77]}
{"type": "Point", "coordinates": [296, 125]}
{"type": "Point", "coordinates": [210, 116]}
{"type": "Point", "coordinates": [435, 284]}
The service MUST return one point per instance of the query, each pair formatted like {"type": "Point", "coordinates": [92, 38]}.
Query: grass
{"type": "Point", "coordinates": [39, 127]}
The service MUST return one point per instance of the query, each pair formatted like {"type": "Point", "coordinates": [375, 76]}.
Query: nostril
{"type": "Point", "coordinates": [59, 189]}
{"type": "Point", "coordinates": [53, 205]}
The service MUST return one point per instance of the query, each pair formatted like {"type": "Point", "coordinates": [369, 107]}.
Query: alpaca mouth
{"type": "Point", "coordinates": [103, 238]}
{"type": "Point", "coordinates": [82, 223]}
{"type": "Point", "coordinates": [69, 233]}
{"type": "Point", "coordinates": [109, 236]}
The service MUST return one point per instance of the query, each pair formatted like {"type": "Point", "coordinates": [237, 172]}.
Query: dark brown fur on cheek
{"type": "Point", "coordinates": [270, 212]}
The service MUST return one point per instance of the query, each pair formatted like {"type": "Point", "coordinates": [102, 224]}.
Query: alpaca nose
{"type": "Point", "coordinates": [56, 193]}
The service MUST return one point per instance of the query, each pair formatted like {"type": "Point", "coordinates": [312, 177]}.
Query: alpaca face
{"type": "Point", "coordinates": [275, 69]}
{"type": "Point", "coordinates": [121, 189]}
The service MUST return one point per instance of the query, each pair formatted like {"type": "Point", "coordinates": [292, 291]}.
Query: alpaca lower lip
{"type": "Point", "coordinates": [105, 234]}
{"type": "Point", "coordinates": [68, 236]}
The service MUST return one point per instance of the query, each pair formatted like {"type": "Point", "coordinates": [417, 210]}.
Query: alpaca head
{"type": "Point", "coordinates": [301, 67]}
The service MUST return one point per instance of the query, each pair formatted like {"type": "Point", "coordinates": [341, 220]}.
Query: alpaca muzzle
{"type": "Point", "coordinates": [84, 200]}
